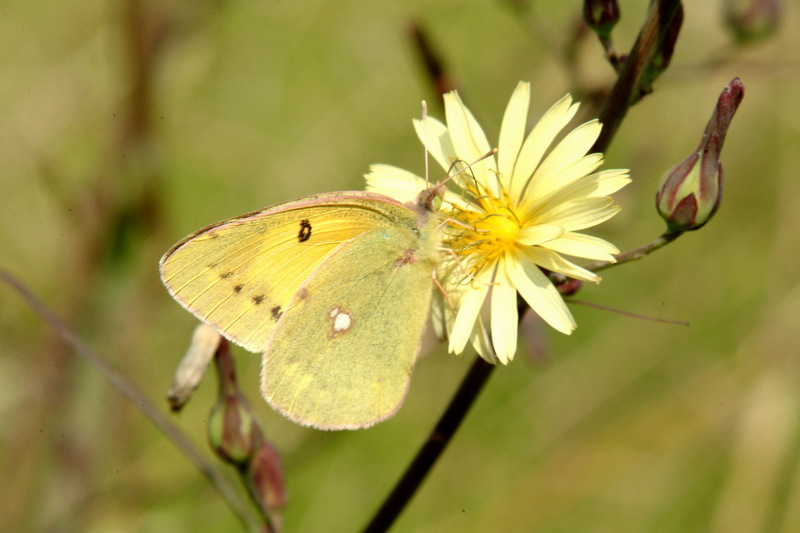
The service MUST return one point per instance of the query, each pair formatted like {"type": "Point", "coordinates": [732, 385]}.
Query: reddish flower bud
{"type": "Point", "coordinates": [233, 432]}
{"type": "Point", "coordinates": [265, 476]}
{"type": "Point", "coordinates": [690, 192]}
{"type": "Point", "coordinates": [569, 287]}
{"type": "Point", "coordinates": [237, 438]}
{"type": "Point", "coordinates": [601, 16]}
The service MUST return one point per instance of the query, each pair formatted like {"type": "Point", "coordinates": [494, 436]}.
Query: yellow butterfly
{"type": "Point", "coordinates": [333, 288]}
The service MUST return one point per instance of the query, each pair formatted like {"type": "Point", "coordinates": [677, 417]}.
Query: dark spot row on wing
{"type": "Point", "coordinates": [305, 231]}
{"type": "Point", "coordinates": [259, 299]}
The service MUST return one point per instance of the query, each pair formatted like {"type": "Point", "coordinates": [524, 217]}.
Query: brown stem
{"type": "Point", "coordinates": [644, 49]}
{"type": "Point", "coordinates": [433, 448]}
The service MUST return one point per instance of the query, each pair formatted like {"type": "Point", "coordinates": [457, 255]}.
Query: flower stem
{"type": "Point", "coordinates": [637, 253]}
{"type": "Point", "coordinates": [626, 90]}
{"type": "Point", "coordinates": [433, 448]}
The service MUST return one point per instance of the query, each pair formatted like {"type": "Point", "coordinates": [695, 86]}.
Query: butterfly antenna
{"type": "Point", "coordinates": [468, 166]}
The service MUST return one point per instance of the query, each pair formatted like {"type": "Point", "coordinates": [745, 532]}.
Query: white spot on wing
{"type": "Point", "coordinates": [341, 321]}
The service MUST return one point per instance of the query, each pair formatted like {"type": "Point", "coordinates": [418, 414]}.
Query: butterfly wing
{"type": "Point", "coordinates": [240, 274]}
{"type": "Point", "coordinates": [344, 349]}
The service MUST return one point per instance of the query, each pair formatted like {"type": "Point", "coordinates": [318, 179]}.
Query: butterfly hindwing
{"type": "Point", "coordinates": [344, 349]}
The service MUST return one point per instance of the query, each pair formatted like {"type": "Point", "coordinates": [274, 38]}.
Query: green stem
{"type": "Point", "coordinates": [637, 253]}
{"type": "Point", "coordinates": [437, 441]}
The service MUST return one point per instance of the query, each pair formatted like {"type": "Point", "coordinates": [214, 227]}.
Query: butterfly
{"type": "Point", "coordinates": [333, 288]}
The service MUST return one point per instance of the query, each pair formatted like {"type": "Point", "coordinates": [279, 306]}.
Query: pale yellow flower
{"type": "Point", "coordinates": [516, 212]}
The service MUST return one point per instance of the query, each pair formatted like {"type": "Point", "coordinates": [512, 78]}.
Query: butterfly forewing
{"type": "Point", "coordinates": [239, 275]}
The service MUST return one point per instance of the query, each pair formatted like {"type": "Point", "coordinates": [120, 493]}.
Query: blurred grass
{"type": "Point", "coordinates": [627, 425]}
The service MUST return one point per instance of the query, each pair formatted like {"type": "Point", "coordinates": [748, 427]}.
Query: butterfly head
{"type": "Point", "coordinates": [430, 199]}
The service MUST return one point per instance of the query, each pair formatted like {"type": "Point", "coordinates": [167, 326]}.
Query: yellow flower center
{"type": "Point", "coordinates": [480, 236]}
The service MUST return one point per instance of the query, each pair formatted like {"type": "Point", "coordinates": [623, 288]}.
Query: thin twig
{"type": "Point", "coordinates": [636, 253]}
{"type": "Point", "coordinates": [228, 492]}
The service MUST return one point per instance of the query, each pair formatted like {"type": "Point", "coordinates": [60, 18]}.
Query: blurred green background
{"type": "Point", "coordinates": [126, 125]}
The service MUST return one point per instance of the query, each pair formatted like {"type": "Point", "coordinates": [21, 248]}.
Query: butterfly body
{"type": "Point", "coordinates": [333, 288]}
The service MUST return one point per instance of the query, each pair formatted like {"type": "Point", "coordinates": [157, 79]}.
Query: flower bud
{"type": "Point", "coordinates": [237, 438]}
{"type": "Point", "coordinates": [752, 20]}
{"type": "Point", "coordinates": [690, 192]}
{"type": "Point", "coordinates": [601, 16]}
{"type": "Point", "coordinates": [265, 476]}
{"type": "Point", "coordinates": [569, 287]}
{"type": "Point", "coordinates": [192, 367]}
{"type": "Point", "coordinates": [232, 430]}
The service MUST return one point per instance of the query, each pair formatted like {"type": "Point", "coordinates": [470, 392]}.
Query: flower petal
{"type": "Point", "coordinates": [599, 184]}
{"type": "Point", "coordinates": [608, 181]}
{"type": "Point", "coordinates": [539, 233]}
{"type": "Point", "coordinates": [469, 307]}
{"type": "Point", "coordinates": [540, 294]}
{"type": "Point", "coordinates": [504, 316]}
{"type": "Point", "coordinates": [563, 186]}
{"type": "Point", "coordinates": [481, 341]}
{"type": "Point", "coordinates": [569, 174]}
{"type": "Point", "coordinates": [569, 151]}
{"type": "Point", "coordinates": [538, 141]}
{"type": "Point", "coordinates": [439, 317]}
{"type": "Point", "coordinates": [468, 139]}
{"type": "Point", "coordinates": [584, 246]}
{"type": "Point", "coordinates": [436, 138]}
{"type": "Point", "coordinates": [512, 132]}
{"type": "Point", "coordinates": [581, 213]}
{"type": "Point", "coordinates": [555, 263]}
{"type": "Point", "coordinates": [394, 182]}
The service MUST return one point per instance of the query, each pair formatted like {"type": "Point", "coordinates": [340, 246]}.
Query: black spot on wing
{"type": "Point", "coordinates": [305, 231]}
{"type": "Point", "coordinates": [276, 312]}
{"type": "Point", "coordinates": [258, 299]}
{"type": "Point", "coordinates": [226, 274]}
{"type": "Point", "coordinates": [238, 288]}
